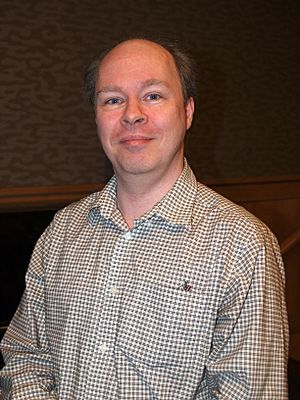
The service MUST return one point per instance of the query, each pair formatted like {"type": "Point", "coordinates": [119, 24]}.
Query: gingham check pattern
{"type": "Point", "coordinates": [187, 305]}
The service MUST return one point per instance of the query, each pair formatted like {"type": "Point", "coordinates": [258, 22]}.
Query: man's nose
{"type": "Point", "coordinates": [134, 114]}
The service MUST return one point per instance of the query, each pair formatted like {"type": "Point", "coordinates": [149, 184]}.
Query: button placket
{"type": "Point", "coordinates": [103, 348]}
{"type": "Point", "coordinates": [111, 306]}
{"type": "Point", "coordinates": [114, 290]}
{"type": "Point", "coordinates": [127, 235]}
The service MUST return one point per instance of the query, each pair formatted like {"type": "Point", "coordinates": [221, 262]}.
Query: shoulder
{"type": "Point", "coordinates": [79, 209]}
{"type": "Point", "coordinates": [73, 218]}
{"type": "Point", "coordinates": [228, 218]}
{"type": "Point", "coordinates": [241, 241]}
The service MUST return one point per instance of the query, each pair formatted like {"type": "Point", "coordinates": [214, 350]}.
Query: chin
{"type": "Point", "coordinates": [137, 167]}
{"type": "Point", "coordinates": [137, 170]}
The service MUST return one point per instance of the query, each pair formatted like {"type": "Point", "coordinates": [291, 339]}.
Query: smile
{"type": "Point", "coordinates": [135, 140]}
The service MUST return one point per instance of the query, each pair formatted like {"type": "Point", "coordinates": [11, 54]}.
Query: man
{"type": "Point", "coordinates": [156, 287]}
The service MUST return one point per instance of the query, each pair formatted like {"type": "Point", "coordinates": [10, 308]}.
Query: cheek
{"type": "Point", "coordinates": [162, 119]}
{"type": "Point", "coordinates": [106, 127]}
{"type": "Point", "coordinates": [172, 122]}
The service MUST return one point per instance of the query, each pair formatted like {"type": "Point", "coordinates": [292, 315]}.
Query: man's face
{"type": "Point", "coordinates": [140, 113]}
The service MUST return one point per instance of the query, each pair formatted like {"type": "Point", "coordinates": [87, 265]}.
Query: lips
{"type": "Point", "coordinates": [135, 139]}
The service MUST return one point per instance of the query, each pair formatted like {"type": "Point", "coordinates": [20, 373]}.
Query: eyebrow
{"type": "Point", "coordinates": [145, 84]}
{"type": "Point", "coordinates": [109, 89]}
{"type": "Point", "coordinates": [154, 82]}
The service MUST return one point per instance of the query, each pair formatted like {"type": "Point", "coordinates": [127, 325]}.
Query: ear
{"type": "Point", "coordinates": [189, 111]}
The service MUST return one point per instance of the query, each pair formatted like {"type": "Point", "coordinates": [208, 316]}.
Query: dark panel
{"type": "Point", "coordinates": [18, 235]}
{"type": "Point", "coordinates": [247, 122]}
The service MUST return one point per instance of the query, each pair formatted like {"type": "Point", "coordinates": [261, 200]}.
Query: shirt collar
{"type": "Point", "coordinates": [175, 207]}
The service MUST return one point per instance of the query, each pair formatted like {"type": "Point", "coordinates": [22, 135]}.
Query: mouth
{"type": "Point", "coordinates": [135, 140]}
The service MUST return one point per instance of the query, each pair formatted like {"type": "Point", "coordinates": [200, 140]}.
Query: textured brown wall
{"type": "Point", "coordinates": [248, 62]}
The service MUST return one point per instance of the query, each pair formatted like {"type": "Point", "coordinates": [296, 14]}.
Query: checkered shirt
{"type": "Point", "coordinates": [189, 304]}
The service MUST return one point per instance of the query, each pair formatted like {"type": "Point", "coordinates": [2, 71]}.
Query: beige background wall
{"type": "Point", "coordinates": [248, 63]}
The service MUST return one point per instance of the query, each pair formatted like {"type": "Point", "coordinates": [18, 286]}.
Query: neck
{"type": "Point", "coordinates": [138, 194]}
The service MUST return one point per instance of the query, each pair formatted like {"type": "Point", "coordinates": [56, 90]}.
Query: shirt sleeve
{"type": "Point", "coordinates": [28, 373]}
{"type": "Point", "coordinates": [248, 358]}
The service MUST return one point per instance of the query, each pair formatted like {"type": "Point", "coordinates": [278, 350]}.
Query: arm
{"type": "Point", "coordinates": [249, 351]}
{"type": "Point", "coordinates": [28, 373]}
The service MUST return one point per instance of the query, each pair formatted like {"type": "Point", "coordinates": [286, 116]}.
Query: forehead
{"type": "Point", "coordinates": [138, 60]}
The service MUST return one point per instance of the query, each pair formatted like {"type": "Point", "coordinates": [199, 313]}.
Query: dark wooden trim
{"type": "Point", "coordinates": [238, 190]}
{"type": "Point", "coordinates": [258, 189]}
{"type": "Point", "coordinates": [43, 197]}
{"type": "Point", "coordinates": [290, 242]}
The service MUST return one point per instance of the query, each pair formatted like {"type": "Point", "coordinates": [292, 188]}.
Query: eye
{"type": "Point", "coordinates": [153, 96]}
{"type": "Point", "coordinates": [113, 100]}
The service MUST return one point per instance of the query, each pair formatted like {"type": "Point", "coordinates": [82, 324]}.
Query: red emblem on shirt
{"type": "Point", "coordinates": [187, 287]}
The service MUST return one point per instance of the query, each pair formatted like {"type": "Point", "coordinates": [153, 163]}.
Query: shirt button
{"type": "Point", "coordinates": [127, 235]}
{"type": "Point", "coordinates": [103, 347]}
{"type": "Point", "coordinates": [114, 290]}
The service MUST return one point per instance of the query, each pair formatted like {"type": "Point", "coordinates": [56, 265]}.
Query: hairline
{"type": "Point", "coordinates": [183, 64]}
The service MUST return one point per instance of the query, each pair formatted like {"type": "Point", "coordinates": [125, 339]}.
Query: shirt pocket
{"type": "Point", "coordinates": [161, 324]}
